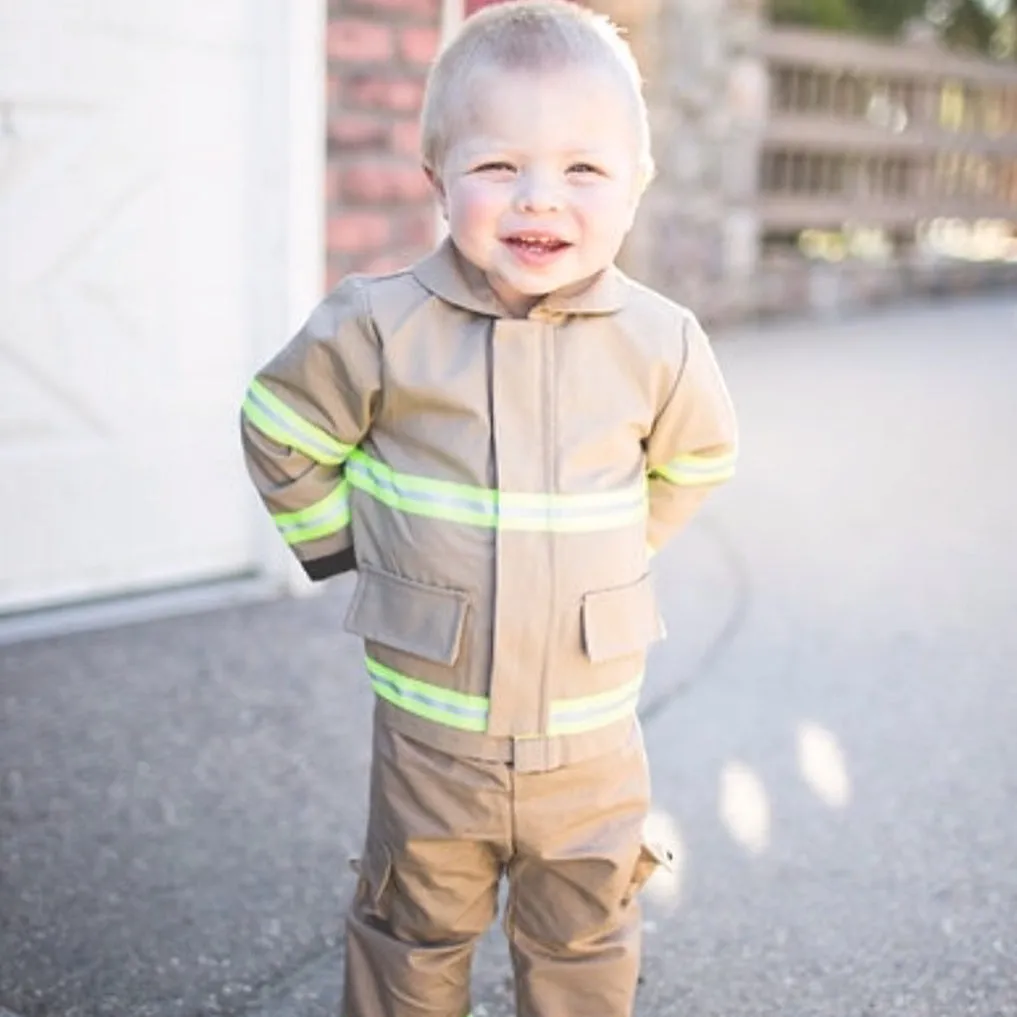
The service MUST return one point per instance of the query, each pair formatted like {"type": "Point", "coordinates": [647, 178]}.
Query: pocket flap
{"type": "Point", "coordinates": [374, 872]}
{"type": "Point", "coordinates": [425, 621]}
{"type": "Point", "coordinates": [621, 621]}
{"type": "Point", "coordinates": [651, 858]}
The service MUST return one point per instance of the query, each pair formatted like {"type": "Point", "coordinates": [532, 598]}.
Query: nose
{"type": "Point", "coordinates": [537, 192]}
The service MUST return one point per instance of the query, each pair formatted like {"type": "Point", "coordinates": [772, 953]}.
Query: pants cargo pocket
{"type": "Point", "coordinates": [374, 874]}
{"type": "Point", "coordinates": [391, 970]}
{"type": "Point", "coordinates": [651, 857]}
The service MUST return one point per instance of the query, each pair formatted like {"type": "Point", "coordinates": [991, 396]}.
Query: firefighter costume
{"type": "Point", "coordinates": [499, 485]}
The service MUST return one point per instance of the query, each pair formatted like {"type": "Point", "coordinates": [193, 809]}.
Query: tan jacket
{"type": "Point", "coordinates": [499, 485]}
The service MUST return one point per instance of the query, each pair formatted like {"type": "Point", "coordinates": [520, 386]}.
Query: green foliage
{"type": "Point", "coordinates": [837, 14]}
{"type": "Point", "coordinates": [969, 24]}
{"type": "Point", "coordinates": [885, 17]}
{"type": "Point", "coordinates": [972, 27]}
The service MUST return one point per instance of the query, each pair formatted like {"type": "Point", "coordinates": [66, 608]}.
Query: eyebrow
{"type": "Point", "coordinates": [472, 149]}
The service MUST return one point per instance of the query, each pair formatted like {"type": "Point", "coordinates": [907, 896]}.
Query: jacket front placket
{"type": "Point", "coordinates": [523, 432]}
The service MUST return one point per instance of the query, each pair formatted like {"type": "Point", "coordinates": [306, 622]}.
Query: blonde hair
{"type": "Point", "coordinates": [527, 35]}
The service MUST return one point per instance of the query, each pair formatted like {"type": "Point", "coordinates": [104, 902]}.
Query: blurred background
{"type": "Point", "coordinates": [831, 721]}
{"type": "Point", "coordinates": [179, 182]}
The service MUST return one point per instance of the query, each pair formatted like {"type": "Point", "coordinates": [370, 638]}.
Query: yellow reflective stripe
{"type": "Point", "coordinates": [270, 415]}
{"type": "Point", "coordinates": [439, 499]}
{"type": "Point", "coordinates": [453, 709]}
{"type": "Point", "coordinates": [321, 519]}
{"type": "Point", "coordinates": [470, 713]}
{"type": "Point", "coordinates": [694, 470]}
{"type": "Point", "coordinates": [504, 510]}
{"type": "Point", "coordinates": [588, 713]}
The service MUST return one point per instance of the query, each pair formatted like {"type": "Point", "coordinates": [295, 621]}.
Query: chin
{"type": "Point", "coordinates": [535, 285]}
{"type": "Point", "coordinates": [539, 288]}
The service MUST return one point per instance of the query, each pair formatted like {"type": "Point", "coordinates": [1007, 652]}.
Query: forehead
{"type": "Point", "coordinates": [571, 108]}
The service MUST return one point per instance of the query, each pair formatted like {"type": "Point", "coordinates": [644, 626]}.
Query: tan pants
{"type": "Point", "coordinates": [442, 831]}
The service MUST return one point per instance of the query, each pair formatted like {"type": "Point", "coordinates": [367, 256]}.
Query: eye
{"type": "Point", "coordinates": [585, 168]}
{"type": "Point", "coordinates": [495, 166]}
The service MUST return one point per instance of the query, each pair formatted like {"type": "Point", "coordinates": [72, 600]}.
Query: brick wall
{"type": "Point", "coordinates": [380, 211]}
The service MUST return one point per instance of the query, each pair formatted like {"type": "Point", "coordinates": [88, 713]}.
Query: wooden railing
{"type": "Point", "coordinates": [884, 136]}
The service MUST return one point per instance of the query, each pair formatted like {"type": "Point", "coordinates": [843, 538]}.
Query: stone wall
{"type": "Point", "coordinates": [697, 235]}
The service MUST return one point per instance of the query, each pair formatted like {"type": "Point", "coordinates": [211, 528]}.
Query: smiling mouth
{"type": "Point", "coordinates": [536, 244]}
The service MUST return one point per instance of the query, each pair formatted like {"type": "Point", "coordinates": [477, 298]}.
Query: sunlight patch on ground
{"type": "Point", "coordinates": [822, 764]}
{"type": "Point", "coordinates": [744, 807]}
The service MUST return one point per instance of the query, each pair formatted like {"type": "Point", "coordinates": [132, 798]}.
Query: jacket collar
{"type": "Point", "coordinates": [448, 275]}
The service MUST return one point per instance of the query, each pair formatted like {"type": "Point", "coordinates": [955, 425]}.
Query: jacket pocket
{"type": "Point", "coordinates": [425, 621]}
{"type": "Point", "coordinates": [621, 621]}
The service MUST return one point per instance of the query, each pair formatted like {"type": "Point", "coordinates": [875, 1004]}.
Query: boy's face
{"type": "Point", "coordinates": [541, 180]}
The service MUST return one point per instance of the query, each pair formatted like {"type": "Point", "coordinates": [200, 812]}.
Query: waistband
{"type": "Point", "coordinates": [532, 754]}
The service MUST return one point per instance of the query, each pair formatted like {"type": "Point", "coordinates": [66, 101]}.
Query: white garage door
{"type": "Point", "coordinates": [132, 240]}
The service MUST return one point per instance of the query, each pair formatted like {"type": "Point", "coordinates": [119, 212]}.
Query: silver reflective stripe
{"type": "Point", "coordinates": [587, 713]}
{"type": "Point", "coordinates": [506, 510]}
{"type": "Point", "coordinates": [693, 470]}
{"type": "Point", "coordinates": [322, 519]}
{"type": "Point", "coordinates": [443, 706]}
{"type": "Point", "coordinates": [470, 712]}
{"type": "Point", "coordinates": [267, 412]}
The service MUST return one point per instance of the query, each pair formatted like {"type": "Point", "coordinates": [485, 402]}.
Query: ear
{"type": "Point", "coordinates": [634, 202]}
{"type": "Point", "coordinates": [642, 182]}
{"type": "Point", "coordinates": [439, 189]}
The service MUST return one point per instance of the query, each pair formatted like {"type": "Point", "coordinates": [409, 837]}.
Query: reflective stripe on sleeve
{"type": "Point", "coordinates": [270, 415]}
{"type": "Point", "coordinates": [321, 519]}
{"type": "Point", "coordinates": [695, 470]}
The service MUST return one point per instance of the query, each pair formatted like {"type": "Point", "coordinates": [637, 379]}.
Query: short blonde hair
{"type": "Point", "coordinates": [527, 35]}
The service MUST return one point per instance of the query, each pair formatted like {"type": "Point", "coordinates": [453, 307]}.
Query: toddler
{"type": "Point", "coordinates": [497, 439]}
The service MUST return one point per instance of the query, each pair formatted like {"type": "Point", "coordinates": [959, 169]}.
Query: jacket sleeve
{"type": "Point", "coordinates": [305, 413]}
{"type": "Point", "coordinates": [693, 445]}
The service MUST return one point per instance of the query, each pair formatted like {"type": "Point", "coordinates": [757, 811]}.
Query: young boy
{"type": "Point", "coordinates": [496, 439]}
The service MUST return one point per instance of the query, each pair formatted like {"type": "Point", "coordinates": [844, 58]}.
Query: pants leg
{"type": "Point", "coordinates": [573, 920]}
{"type": "Point", "coordinates": [439, 834]}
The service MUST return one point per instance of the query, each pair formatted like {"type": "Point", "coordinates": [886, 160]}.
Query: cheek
{"type": "Point", "coordinates": [474, 207]}
{"type": "Point", "coordinates": [607, 213]}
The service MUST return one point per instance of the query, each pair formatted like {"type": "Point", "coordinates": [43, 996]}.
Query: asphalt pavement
{"type": "Point", "coordinates": [832, 724]}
